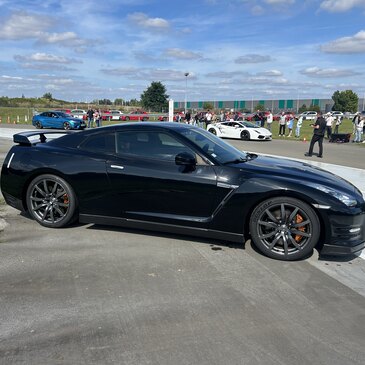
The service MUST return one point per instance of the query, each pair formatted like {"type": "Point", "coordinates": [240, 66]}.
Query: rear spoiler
{"type": "Point", "coordinates": [25, 138]}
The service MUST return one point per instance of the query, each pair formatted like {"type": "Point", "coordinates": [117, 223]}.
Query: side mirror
{"type": "Point", "coordinates": [186, 159]}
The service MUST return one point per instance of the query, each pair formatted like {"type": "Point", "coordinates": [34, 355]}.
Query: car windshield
{"type": "Point", "coordinates": [249, 125]}
{"type": "Point", "coordinates": [214, 146]}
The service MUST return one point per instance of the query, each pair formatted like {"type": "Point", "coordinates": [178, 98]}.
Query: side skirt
{"type": "Point", "coordinates": [161, 227]}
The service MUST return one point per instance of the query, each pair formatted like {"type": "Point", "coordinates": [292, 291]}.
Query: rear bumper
{"type": "Point", "coordinates": [13, 202]}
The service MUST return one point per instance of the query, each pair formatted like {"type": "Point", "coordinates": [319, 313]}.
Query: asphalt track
{"type": "Point", "coordinates": [92, 294]}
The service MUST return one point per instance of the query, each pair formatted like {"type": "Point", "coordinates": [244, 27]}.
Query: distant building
{"type": "Point", "coordinates": [275, 106]}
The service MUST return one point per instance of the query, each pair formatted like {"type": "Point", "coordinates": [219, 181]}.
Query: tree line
{"type": "Point", "coordinates": [154, 98]}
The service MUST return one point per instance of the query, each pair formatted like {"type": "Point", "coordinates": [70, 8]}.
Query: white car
{"type": "Point", "coordinates": [78, 113]}
{"type": "Point", "coordinates": [241, 130]}
{"type": "Point", "coordinates": [336, 114]}
{"type": "Point", "coordinates": [115, 115]}
{"type": "Point", "coordinates": [309, 115]}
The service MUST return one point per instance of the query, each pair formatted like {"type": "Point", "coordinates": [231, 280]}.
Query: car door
{"type": "Point", "coordinates": [147, 184]}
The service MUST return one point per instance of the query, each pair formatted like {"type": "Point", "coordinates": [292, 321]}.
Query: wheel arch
{"type": "Point", "coordinates": [39, 172]}
{"type": "Point", "coordinates": [289, 194]}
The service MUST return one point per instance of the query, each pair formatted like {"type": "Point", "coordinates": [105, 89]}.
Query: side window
{"type": "Point", "coordinates": [100, 143]}
{"type": "Point", "coordinates": [149, 144]}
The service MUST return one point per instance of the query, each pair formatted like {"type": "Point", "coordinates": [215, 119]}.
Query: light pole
{"type": "Point", "coordinates": [186, 88]}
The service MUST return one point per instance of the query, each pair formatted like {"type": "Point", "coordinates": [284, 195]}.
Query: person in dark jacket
{"type": "Point", "coordinates": [319, 128]}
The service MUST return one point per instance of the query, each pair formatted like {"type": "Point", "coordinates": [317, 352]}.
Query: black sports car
{"type": "Point", "coordinates": [178, 178]}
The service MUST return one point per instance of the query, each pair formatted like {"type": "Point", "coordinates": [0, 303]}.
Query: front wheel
{"type": "Point", "coordinates": [66, 125]}
{"type": "Point", "coordinates": [213, 131]}
{"type": "Point", "coordinates": [245, 135]}
{"type": "Point", "coordinates": [284, 228]}
{"type": "Point", "coordinates": [38, 125]}
{"type": "Point", "coordinates": [51, 201]}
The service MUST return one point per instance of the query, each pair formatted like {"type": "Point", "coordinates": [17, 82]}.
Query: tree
{"type": "Point", "coordinates": [345, 101]}
{"type": "Point", "coordinates": [119, 101]}
{"type": "Point", "coordinates": [260, 107]}
{"type": "Point", "coordinates": [208, 106]}
{"type": "Point", "coordinates": [302, 109]}
{"type": "Point", "coordinates": [47, 96]}
{"type": "Point", "coordinates": [155, 98]}
{"type": "Point", "coordinates": [315, 108]}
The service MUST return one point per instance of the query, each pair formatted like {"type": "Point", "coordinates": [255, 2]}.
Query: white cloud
{"type": "Point", "coordinates": [354, 44]}
{"type": "Point", "coordinates": [272, 73]}
{"type": "Point", "coordinates": [23, 25]}
{"type": "Point", "coordinates": [182, 54]}
{"type": "Point", "coordinates": [334, 6]}
{"type": "Point", "coordinates": [279, 2]}
{"type": "Point", "coordinates": [44, 57]}
{"type": "Point", "coordinates": [142, 20]}
{"type": "Point", "coordinates": [327, 73]}
{"type": "Point", "coordinates": [252, 58]}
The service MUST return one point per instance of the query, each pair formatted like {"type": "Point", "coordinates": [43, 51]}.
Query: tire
{"type": "Point", "coordinates": [38, 125]}
{"type": "Point", "coordinates": [213, 131]}
{"type": "Point", "coordinates": [144, 119]}
{"type": "Point", "coordinates": [245, 135]}
{"type": "Point", "coordinates": [284, 228]}
{"type": "Point", "coordinates": [126, 118]}
{"type": "Point", "coordinates": [51, 201]}
{"type": "Point", "coordinates": [66, 125]}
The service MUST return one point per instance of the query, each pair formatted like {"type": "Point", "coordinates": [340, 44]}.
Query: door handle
{"type": "Point", "coordinates": [117, 167]}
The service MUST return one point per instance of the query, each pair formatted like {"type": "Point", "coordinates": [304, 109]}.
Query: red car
{"type": "Point", "coordinates": [136, 115]}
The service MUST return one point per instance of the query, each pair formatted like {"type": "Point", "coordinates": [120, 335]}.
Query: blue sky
{"type": "Point", "coordinates": [232, 49]}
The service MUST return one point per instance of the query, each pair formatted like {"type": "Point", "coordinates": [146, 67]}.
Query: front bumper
{"type": "Point", "coordinates": [341, 250]}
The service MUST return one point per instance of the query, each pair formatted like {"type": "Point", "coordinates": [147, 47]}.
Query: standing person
{"type": "Point", "coordinates": [188, 117]}
{"type": "Point", "coordinates": [338, 123]}
{"type": "Point", "coordinates": [299, 125]}
{"type": "Point", "coordinates": [208, 118]}
{"type": "Point", "coordinates": [269, 119]}
{"type": "Point", "coordinates": [90, 117]}
{"type": "Point", "coordinates": [329, 122]}
{"type": "Point", "coordinates": [290, 124]}
{"type": "Point", "coordinates": [282, 123]}
{"type": "Point", "coordinates": [359, 125]}
{"type": "Point", "coordinates": [319, 128]}
{"type": "Point", "coordinates": [96, 117]}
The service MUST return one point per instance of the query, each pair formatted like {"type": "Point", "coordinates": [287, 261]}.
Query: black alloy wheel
{"type": "Point", "coordinates": [284, 228]}
{"type": "Point", "coordinates": [245, 135]}
{"type": "Point", "coordinates": [66, 125]}
{"type": "Point", "coordinates": [126, 118]}
{"type": "Point", "coordinates": [213, 131]}
{"type": "Point", "coordinates": [51, 201]}
{"type": "Point", "coordinates": [38, 125]}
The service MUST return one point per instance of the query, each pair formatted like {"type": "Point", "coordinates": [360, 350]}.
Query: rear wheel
{"type": "Point", "coordinates": [245, 135]}
{"type": "Point", "coordinates": [38, 125]}
{"type": "Point", "coordinates": [51, 201]}
{"type": "Point", "coordinates": [284, 228]}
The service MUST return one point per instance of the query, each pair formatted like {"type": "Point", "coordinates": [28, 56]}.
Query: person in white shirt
{"type": "Point", "coordinates": [329, 122]}
{"type": "Point", "coordinates": [269, 119]}
{"type": "Point", "coordinates": [359, 125]}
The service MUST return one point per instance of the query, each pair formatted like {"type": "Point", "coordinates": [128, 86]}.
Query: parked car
{"type": "Point", "coordinates": [115, 115]}
{"type": "Point", "coordinates": [182, 179]}
{"type": "Point", "coordinates": [59, 120]}
{"type": "Point", "coordinates": [79, 113]}
{"type": "Point", "coordinates": [336, 114]}
{"type": "Point", "coordinates": [309, 115]}
{"type": "Point", "coordinates": [241, 130]}
{"type": "Point", "coordinates": [66, 111]}
{"type": "Point", "coordinates": [136, 115]}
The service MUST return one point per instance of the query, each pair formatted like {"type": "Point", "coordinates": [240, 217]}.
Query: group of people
{"type": "Point", "coordinates": [93, 116]}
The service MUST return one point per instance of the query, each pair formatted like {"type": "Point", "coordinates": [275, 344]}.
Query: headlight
{"type": "Point", "coordinates": [347, 200]}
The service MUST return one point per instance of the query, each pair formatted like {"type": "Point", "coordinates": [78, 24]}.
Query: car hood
{"type": "Point", "coordinates": [295, 170]}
